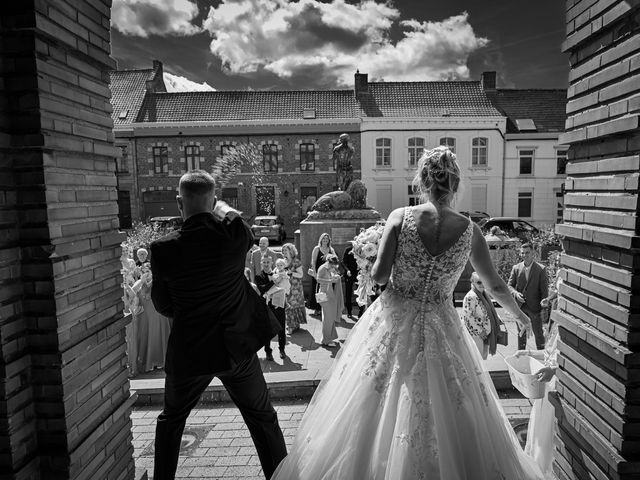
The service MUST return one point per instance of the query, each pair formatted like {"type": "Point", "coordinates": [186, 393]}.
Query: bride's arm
{"type": "Point", "coordinates": [381, 269]}
{"type": "Point", "coordinates": [483, 265]}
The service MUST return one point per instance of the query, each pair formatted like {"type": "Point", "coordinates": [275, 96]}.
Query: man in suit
{"type": "Point", "coordinates": [219, 323]}
{"type": "Point", "coordinates": [262, 250]}
{"type": "Point", "coordinates": [350, 278]}
{"type": "Point", "coordinates": [529, 286]}
{"type": "Point", "coordinates": [264, 283]}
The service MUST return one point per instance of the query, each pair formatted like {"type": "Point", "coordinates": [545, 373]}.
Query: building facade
{"type": "Point", "coordinates": [508, 168]}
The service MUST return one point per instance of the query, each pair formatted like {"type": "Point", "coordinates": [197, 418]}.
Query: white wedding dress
{"type": "Point", "coordinates": [407, 398]}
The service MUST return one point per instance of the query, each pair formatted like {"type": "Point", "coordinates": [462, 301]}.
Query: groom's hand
{"type": "Point", "coordinates": [222, 210]}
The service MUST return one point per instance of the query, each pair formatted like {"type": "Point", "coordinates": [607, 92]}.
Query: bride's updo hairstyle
{"type": "Point", "coordinates": [438, 172]}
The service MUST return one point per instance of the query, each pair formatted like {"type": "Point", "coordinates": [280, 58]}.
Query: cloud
{"type": "Point", "coordinates": [324, 43]}
{"type": "Point", "coordinates": [141, 18]}
{"type": "Point", "coordinates": [176, 83]}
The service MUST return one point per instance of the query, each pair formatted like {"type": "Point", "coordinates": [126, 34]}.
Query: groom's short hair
{"type": "Point", "coordinates": [196, 183]}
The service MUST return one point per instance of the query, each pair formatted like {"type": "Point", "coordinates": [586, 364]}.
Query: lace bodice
{"type": "Point", "coordinates": [418, 275]}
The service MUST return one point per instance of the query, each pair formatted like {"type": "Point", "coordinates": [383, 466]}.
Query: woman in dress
{"type": "Point", "coordinates": [407, 397]}
{"type": "Point", "coordinates": [329, 282]}
{"type": "Point", "coordinates": [294, 310]}
{"type": "Point", "coordinates": [153, 328]}
{"type": "Point", "coordinates": [318, 257]}
{"type": "Point", "coordinates": [480, 317]}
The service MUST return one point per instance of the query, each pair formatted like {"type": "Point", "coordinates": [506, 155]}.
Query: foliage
{"type": "Point", "coordinates": [141, 236]}
{"type": "Point", "coordinates": [226, 168]}
{"type": "Point", "coordinates": [546, 236]}
{"type": "Point", "coordinates": [505, 258]}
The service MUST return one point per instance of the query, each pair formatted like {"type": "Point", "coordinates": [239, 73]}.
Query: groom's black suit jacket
{"type": "Point", "coordinates": [198, 280]}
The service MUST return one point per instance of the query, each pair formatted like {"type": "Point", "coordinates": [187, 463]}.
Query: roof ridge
{"type": "Point", "coordinates": [131, 70]}
{"type": "Point", "coordinates": [531, 90]}
{"type": "Point", "coordinates": [400, 82]}
{"type": "Point", "coordinates": [253, 91]}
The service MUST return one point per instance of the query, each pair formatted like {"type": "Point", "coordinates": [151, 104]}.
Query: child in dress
{"type": "Point", "coordinates": [281, 284]}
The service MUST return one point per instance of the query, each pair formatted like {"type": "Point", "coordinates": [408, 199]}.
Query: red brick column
{"type": "Point", "coordinates": [599, 377]}
{"type": "Point", "coordinates": [64, 398]}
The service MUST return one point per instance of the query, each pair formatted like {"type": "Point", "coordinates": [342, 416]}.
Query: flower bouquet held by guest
{"type": "Point", "coordinates": [318, 257]}
{"type": "Point", "coordinates": [329, 284]}
{"type": "Point", "coordinates": [365, 250]}
{"type": "Point", "coordinates": [480, 317]}
{"type": "Point", "coordinates": [295, 312]}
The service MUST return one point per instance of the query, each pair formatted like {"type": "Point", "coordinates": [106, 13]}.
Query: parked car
{"type": "Point", "coordinates": [512, 226]}
{"type": "Point", "coordinates": [167, 223]}
{"type": "Point", "coordinates": [475, 216]}
{"type": "Point", "coordinates": [270, 226]}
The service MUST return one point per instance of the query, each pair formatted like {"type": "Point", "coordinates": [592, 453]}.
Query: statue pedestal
{"type": "Point", "coordinates": [341, 225]}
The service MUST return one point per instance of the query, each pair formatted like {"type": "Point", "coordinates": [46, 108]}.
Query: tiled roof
{"type": "Point", "coordinates": [547, 108]}
{"type": "Point", "coordinates": [426, 99]}
{"type": "Point", "coordinates": [393, 99]}
{"type": "Point", "coordinates": [246, 105]}
{"type": "Point", "coordinates": [127, 92]}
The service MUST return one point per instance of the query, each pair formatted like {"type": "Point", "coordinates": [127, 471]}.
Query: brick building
{"type": "Point", "coordinates": [293, 133]}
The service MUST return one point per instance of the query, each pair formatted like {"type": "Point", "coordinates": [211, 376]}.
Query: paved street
{"type": "Point", "coordinates": [216, 443]}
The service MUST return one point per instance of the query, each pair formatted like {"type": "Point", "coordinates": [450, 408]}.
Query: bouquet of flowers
{"type": "Point", "coordinates": [365, 250]}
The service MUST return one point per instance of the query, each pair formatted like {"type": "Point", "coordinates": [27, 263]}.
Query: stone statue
{"type": "Point", "coordinates": [342, 158]}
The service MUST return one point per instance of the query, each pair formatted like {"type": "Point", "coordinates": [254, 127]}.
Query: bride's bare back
{"type": "Point", "coordinates": [438, 228]}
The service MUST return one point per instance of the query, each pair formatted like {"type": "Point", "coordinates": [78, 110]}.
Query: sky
{"type": "Point", "coordinates": [319, 44]}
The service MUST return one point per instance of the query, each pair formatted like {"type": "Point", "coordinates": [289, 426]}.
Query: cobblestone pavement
{"type": "Point", "coordinates": [216, 443]}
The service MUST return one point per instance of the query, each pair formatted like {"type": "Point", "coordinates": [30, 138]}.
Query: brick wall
{"type": "Point", "coordinates": [288, 179]}
{"type": "Point", "coordinates": [64, 398]}
{"type": "Point", "coordinates": [598, 406]}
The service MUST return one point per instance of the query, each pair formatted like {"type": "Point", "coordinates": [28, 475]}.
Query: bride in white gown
{"type": "Point", "coordinates": [407, 398]}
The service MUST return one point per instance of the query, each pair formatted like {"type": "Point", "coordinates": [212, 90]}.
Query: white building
{"type": "Point", "coordinates": [534, 160]}
{"type": "Point", "coordinates": [400, 119]}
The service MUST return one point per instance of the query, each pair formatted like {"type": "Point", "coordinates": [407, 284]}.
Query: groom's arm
{"type": "Point", "coordinates": [159, 291]}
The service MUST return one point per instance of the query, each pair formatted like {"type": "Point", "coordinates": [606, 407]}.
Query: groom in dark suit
{"type": "Point", "coordinates": [219, 323]}
{"type": "Point", "coordinates": [529, 286]}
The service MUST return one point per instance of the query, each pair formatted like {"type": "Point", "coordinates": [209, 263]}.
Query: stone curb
{"type": "Point", "coordinates": [150, 392]}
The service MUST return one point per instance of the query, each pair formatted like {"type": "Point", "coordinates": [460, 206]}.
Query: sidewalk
{"type": "Point", "coordinates": [307, 362]}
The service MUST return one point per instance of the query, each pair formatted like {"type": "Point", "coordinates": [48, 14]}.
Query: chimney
{"type": "Point", "coordinates": [361, 84]}
{"type": "Point", "coordinates": [488, 81]}
{"type": "Point", "coordinates": [157, 66]}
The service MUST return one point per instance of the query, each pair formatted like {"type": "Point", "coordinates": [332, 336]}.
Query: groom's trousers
{"type": "Point", "coordinates": [247, 388]}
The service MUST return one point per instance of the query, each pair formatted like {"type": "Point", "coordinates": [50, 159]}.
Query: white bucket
{"type": "Point", "coordinates": [522, 371]}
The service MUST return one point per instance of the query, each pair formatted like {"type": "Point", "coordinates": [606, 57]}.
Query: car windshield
{"type": "Point", "coordinates": [265, 222]}
{"type": "Point", "coordinates": [523, 226]}
{"type": "Point", "coordinates": [482, 222]}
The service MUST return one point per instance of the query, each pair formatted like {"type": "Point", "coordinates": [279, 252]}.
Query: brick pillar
{"type": "Point", "coordinates": [64, 397]}
{"type": "Point", "coordinates": [598, 400]}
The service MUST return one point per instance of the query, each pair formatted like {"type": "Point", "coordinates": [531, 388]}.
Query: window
{"type": "Point", "coordinates": [270, 158]}
{"type": "Point", "coordinates": [526, 162]}
{"type": "Point", "coordinates": [307, 157]}
{"type": "Point", "coordinates": [414, 196]}
{"type": "Point", "coordinates": [416, 147]}
{"type": "Point", "coordinates": [383, 152]}
{"type": "Point", "coordinates": [525, 204]}
{"type": "Point", "coordinates": [230, 196]}
{"type": "Point", "coordinates": [449, 142]}
{"type": "Point", "coordinates": [122, 162]}
{"type": "Point", "coordinates": [479, 151]}
{"type": "Point", "coordinates": [124, 208]}
{"type": "Point", "coordinates": [308, 196]}
{"type": "Point", "coordinates": [192, 157]}
{"type": "Point", "coordinates": [559, 207]}
{"type": "Point", "coordinates": [160, 160]}
{"type": "Point", "coordinates": [561, 160]}
{"type": "Point", "coordinates": [224, 149]}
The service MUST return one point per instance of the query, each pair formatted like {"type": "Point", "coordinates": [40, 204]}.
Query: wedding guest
{"type": "Point", "coordinates": [264, 283]}
{"type": "Point", "coordinates": [480, 317]}
{"type": "Point", "coordinates": [153, 328]}
{"type": "Point", "coordinates": [529, 286]}
{"type": "Point", "coordinates": [539, 444]}
{"type": "Point", "coordinates": [262, 250]}
{"type": "Point", "coordinates": [281, 287]}
{"type": "Point", "coordinates": [350, 279]}
{"type": "Point", "coordinates": [318, 257]}
{"type": "Point", "coordinates": [295, 312]}
{"type": "Point", "coordinates": [329, 282]}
